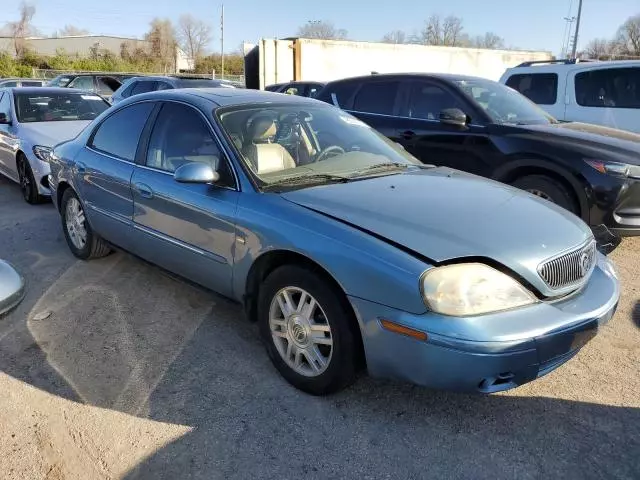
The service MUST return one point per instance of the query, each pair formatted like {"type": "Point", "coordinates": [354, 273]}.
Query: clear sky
{"type": "Point", "coordinates": [533, 24]}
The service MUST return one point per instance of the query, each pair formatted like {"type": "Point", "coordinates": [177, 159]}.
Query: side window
{"type": "Point", "coordinates": [143, 86]}
{"type": "Point", "coordinates": [127, 89]}
{"type": "Point", "coordinates": [376, 97]}
{"type": "Point", "coordinates": [164, 86]}
{"type": "Point", "coordinates": [181, 136]}
{"type": "Point", "coordinates": [83, 83]}
{"type": "Point", "coordinates": [107, 86]}
{"type": "Point", "coordinates": [119, 134]}
{"type": "Point", "coordinates": [615, 87]}
{"type": "Point", "coordinates": [540, 88]}
{"type": "Point", "coordinates": [293, 90]}
{"type": "Point", "coordinates": [426, 101]}
{"type": "Point", "coordinates": [5, 104]}
{"type": "Point", "coordinates": [31, 84]}
{"type": "Point", "coordinates": [313, 90]}
{"type": "Point", "coordinates": [10, 84]}
{"type": "Point", "coordinates": [339, 94]}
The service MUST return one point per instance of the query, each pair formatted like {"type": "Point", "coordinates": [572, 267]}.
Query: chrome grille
{"type": "Point", "coordinates": [570, 268]}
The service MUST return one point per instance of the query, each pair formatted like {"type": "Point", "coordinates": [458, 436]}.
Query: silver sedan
{"type": "Point", "coordinates": [33, 121]}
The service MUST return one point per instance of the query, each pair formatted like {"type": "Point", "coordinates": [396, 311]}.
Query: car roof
{"type": "Point", "coordinates": [225, 96]}
{"type": "Point", "coordinates": [399, 76]}
{"type": "Point", "coordinates": [566, 66]}
{"type": "Point", "coordinates": [49, 90]}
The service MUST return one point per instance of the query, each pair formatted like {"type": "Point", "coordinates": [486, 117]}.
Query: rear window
{"type": "Point", "coordinates": [540, 88]}
{"type": "Point", "coordinates": [610, 87]}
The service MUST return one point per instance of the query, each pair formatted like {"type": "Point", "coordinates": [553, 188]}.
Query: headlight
{"type": "Point", "coordinates": [467, 289]}
{"type": "Point", "coordinates": [615, 169]}
{"type": "Point", "coordinates": [43, 153]}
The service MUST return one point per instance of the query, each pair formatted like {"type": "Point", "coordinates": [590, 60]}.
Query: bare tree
{"type": "Point", "coordinates": [447, 32]}
{"type": "Point", "coordinates": [21, 28]}
{"type": "Point", "coordinates": [321, 29]}
{"type": "Point", "coordinates": [629, 36]}
{"type": "Point", "coordinates": [489, 40]}
{"type": "Point", "coordinates": [193, 35]}
{"type": "Point", "coordinates": [71, 31]}
{"type": "Point", "coordinates": [396, 36]}
{"type": "Point", "coordinates": [600, 49]}
{"type": "Point", "coordinates": [162, 38]}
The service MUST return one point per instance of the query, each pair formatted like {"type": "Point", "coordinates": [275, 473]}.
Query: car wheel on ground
{"type": "Point", "coordinates": [548, 188]}
{"type": "Point", "coordinates": [83, 242]}
{"type": "Point", "coordinates": [28, 182]}
{"type": "Point", "coordinates": [305, 323]}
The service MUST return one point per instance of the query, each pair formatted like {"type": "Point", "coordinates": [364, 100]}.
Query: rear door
{"type": "Point", "coordinates": [423, 135]}
{"type": "Point", "coordinates": [8, 138]}
{"type": "Point", "coordinates": [377, 103]}
{"type": "Point", "coordinates": [105, 168]}
{"type": "Point", "coordinates": [188, 229]}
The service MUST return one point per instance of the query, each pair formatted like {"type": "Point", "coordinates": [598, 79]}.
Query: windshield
{"type": "Point", "coordinates": [304, 143]}
{"type": "Point", "coordinates": [59, 107]}
{"type": "Point", "coordinates": [503, 104]}
{"type": "Point", "coordinates": [61, 81]}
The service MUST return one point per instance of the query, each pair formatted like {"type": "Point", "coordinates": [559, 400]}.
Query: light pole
{"type": "Point", "coordinates": [575, 37]}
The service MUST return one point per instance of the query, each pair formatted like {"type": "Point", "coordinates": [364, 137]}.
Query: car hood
{"type": "Point", "coordinates": [595, 137]}
{"type": "Point", "coordinates": [443, 214]}
{"type": "Point", "coordinates": [50, 134]}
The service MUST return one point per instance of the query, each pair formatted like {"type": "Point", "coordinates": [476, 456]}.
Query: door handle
{"type": "Point", "coordinates": [408, 134]}
{"type": "Point", "coordinates": [144, 190]}
{"type": "Point", "coordinates": [81, 167]}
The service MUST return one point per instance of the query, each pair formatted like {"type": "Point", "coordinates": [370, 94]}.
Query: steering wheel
{"type": "Point", "coordinates": [327, 152]}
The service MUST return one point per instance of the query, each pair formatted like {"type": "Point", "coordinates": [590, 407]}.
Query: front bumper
{"type": "Point", "coordinates": [617, 206]}
{"type": "Point", "coordinates": [41, 171]}
{"type": "Point", "coordinates": [490, 353]}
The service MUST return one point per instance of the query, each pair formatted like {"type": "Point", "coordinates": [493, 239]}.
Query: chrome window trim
{"type": "Point", "coordinates": [476, 125]}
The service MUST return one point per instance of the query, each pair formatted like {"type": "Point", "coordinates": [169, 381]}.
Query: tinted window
{"type": "Point", "coordinates": [83, 83]}
{"type": "Point", "coordinates": [426, 101]}
{"type": "Point", "coordinates": [107, 86]}
{"type": "Point", "coordinates": [164, 86]}
{"type": "Point", "coordinates": [119, 134]}
{"type": "Point", "coordinates": [313, 90]}
{"type": "Point", "coordinates": [540, 88]}
{"type": "Point", "coordinates": [181, 136]}
{"type": "Point", "coordinates": [294, 90]}
{"type": "Point", "coordinates": [615, 87]}
{"type": "Point", "coordinates": [126, 90]}
{"type": "Point", "coordinates": [376, 97]}
{"type": "Point", "coordinates": [31, 84]}
{"type": "Point", "coordinates": [10, 84]}
{"type": "Point", "coordinates": [338, 94]}
{"type": "Point", "coordinates": [143, 86]}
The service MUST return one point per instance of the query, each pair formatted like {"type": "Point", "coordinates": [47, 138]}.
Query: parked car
{"type": "Point", "coordinates": [302, 89]}
{"type": "Point", "coordinates": [137, 85]}
{"type": "Point", "coordinates": [11, 288]}
{"type": "Point", "coordinates": [20, 82]}
{"type": "Point", "coordinates": [102, 84]}
{"type": "Point", "coordinates": [344, 248]}
{"type": "Point", "coordinates": [487, 129]}
{"type": "Point", "coordinates": [602, 93]}
{"type": "Point", "coordinates": [32, 121]}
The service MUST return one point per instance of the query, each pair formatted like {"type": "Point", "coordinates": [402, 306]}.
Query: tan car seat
{"type": "Point", "coordinates": [266, 157]}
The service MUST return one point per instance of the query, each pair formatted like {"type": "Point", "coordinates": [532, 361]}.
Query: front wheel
{"type": "Point", "coordinates": [83, 242]}
{"type": "Point", "coordinates": [550, 189]}
{"type": "Point", "coordinates": [28, 184]}
{"type": "Point", "coordinates": [305, 324]}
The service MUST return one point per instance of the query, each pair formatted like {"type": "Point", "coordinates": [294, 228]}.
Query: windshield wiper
{"type": "Point", "coordinates": [306, 179]}
{"type": "Point", "coordinates": [388, 166]}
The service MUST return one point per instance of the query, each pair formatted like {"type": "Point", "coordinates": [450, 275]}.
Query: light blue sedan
{"type": "Point", "coordinates": [347, 251]}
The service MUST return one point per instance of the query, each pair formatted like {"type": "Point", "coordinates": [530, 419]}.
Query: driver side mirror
{"type": "Point", "coordinates": [453, 116]}
{"type": "Point", "coordinates": [4, 120]}
{"type": "Point", "coordinates": [196, 172]}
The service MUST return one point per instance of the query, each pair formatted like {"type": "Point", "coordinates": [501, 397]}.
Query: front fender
{"type": "Point", "coordinates": [363, 266]}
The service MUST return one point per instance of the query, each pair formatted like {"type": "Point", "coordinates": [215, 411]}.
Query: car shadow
{"type": "Point", "coordinates": [123, 335]}
{"type": "Point", "coordinates": [635, 314]}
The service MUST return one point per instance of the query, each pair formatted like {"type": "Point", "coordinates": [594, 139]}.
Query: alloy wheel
{"type": "Point", "coordinates": [75, 221]}
{"type": "Point", "coordinates": [300, 331]}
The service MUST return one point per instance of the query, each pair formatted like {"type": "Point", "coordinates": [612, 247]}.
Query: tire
{"type": "Point", "coordinates": [331, 311]}
{"type": "Point", "coordinates": [28, 184]}
{"type": "Point", "coordinates": [93, 246]}
{"type": "Point", "coordinates": [549, 189]}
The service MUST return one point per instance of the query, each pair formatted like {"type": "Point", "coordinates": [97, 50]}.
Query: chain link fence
{"type": "Point", "coordinates": [46, 74]}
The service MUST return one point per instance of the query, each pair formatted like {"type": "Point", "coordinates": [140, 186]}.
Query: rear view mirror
{"type": "Point", "coordinates": [196, 172]}
{"type": "Point", "coordinates": [4, 120]}
{"type": "Point", "coordinates": [453, 116]}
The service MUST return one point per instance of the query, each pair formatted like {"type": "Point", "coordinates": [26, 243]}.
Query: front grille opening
{"type": "Point", "coordinates": [569, 269]}
{"type": "Point", "coordinates": [45, 181]}
{"type": "Point", "coordinates": [502, 381]}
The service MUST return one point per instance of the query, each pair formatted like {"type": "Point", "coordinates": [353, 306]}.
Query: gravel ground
{"type": "Point", "coordinates": [114, 369]}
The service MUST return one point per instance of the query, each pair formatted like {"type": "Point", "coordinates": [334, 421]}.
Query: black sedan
{"type": "Point", "coordinates": [488, 129]}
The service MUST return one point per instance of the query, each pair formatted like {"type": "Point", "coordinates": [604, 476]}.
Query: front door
{"type": "Point", "coordinates": [188, 229]}
{"type": "Point", "coordinates": [376, 103]}
{"type": "Point", "coordinates": [422, 134]}
{"type": "Point", "coordinates": [104, 174]}
{"type": "Point", "coordinates": [8, 138]}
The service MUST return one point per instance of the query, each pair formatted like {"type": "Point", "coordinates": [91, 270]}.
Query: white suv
{"type": "Point", "coordinates": [602, 93]}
